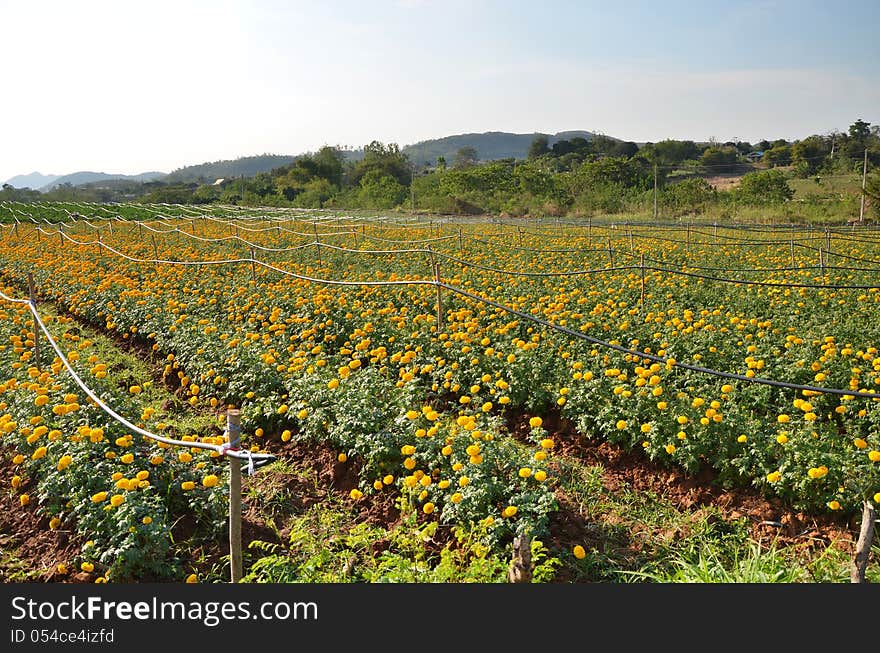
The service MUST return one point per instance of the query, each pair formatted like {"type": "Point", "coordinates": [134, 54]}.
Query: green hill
{"type": "Point", "coordinates": [247, 166]}
{"type": "Point", "coordinates": [489, 145]}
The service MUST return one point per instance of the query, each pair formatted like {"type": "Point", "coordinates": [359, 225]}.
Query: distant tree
{"type": "Point", "coordinates": [808, 155]}
{"type": "Point", "coordinates": [763, 146]}
{"type": "Point", "coordinates": [764, 187]}
{"type": "Point", "coordinates": [625, 149]}
{"type": "Point", "coordinates": [539, 146]}
{"type": "Point", "coordinates": [465, 157]}
{"type": "Point", "coordinates": [720, 159]}
{"type": "Point", "coordinates": [380, 191]}
{"type": "Point", "coordinates": [778, 155]}
{"type": "Point", "coordinates": [388, 160]}
{"type": "Point", "coordinates": [441, 163]}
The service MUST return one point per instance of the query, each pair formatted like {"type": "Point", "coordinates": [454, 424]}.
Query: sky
{"type": "Point", "coordinates": [130, 86]}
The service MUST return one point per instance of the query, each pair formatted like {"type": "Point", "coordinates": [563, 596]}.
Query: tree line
{"type": "Point", "coordinates": [570, 177]}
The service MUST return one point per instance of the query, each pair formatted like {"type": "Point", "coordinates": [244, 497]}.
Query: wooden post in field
{"type": "Point", "coordinates": [863, 545]}
{"type": "Point", "coordinates": [33, 300]}
{"type": "Point", "coordinates": [631, 247]}
{"type": "Point", "coordinates": [821, 261]}
{"type": "Point", "coordinates": [155, 247]}
{"type": "Point", "coordinates": [590, 233]}
{"type": "Point", "coordinates": [61, 233]}
{"type": "Point", "coordinates": [791, 249]}
{"type": "Point", "coordinates": [437, 282]}
{"type": "Point", "coordinates": [253, 266]}
{"type": "Point", "coordinates": [193, 222]}
{"type": "Point", "coordinates": [460, 243]}
{"type": "Point", "coordinates": [642, 267]}
{"type": "Point", "coordinates": [317, 242]}
{"type": "Point", "coordinates": [864, 177]}
{"type": "Point", "coordinates": [233, 429]}
{"type": "Point", "coordinates": [610, 254]}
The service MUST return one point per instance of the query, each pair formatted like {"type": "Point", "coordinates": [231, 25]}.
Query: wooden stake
{"type": "Point", "coordinates": [253, 266]}
{"type": "Point", "coordinates": [642, 267]}
{"type": "Point", "coordinates": [439, 296]}
{"type": "Point", "coordinates": [33, 300]}
{"type": "Point", "coordinates": [863, 545]}
{"type": "Point", "coordinates": [233, 429]}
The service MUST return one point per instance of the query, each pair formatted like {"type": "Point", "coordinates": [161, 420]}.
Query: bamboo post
{"type": "Point", "coordinates": [193, 223]}
{"type": "Point", "coordinates": [437, 282]}
{"type": "Point", "coordinates": [610, 254]}
{"type": "Point", "coordinates": [791, 250]}
{"type": "Point", "coordinates": [253, 266]}
{"type": "Point", "coordinates": [460, 243]}
{"type": "Point", "coordinates": [632, 249]}
{"type": "Point", "coordinates": [233, 429]}
{"type": "Point", "coordinates": [155, 247]}
{"type": "Point", "coordinates": [821, 261]}
{"type": "Point", "coordinates": [33, 300]}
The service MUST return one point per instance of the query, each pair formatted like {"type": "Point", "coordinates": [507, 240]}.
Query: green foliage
{"type": "Point", "coordinates": [765, 187]}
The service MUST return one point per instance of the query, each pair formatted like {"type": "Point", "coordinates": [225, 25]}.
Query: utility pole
{"type": "Point", "coordinates": [864, 178]}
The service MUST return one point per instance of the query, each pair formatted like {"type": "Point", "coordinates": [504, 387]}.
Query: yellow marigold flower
{"type": "Point", "coordinates": [117, 500]}
{"type": "Point", "coordinates": [525, 472]}
{"type": "Point", "coordinates": [645, 428]}
{"type": "Point", "coordinates": [127, 458]}
{"type": "Point", "coordinates": [333, 384]}
{"type": "Point", "coordinates": [621, 424]}
{"type": "Point", "coordinates": [135, 389]}
{"type": "Point", "coordinates": [741, 439]}
{"type": "Point", "coordinates": [834, 505]}
{"type": "Point", "coordinates": [342, 457]}
{"type": "Point", "coordinates": [547, 443]}
{"type": "Point", "coordinates": [670, 449]}
{"type": "Point", "coordinates": [783, 419]}
{"type": "Point", "coordinates": [874, 456]}
{"type": "Point", "coordinates": [18, 459]}
{"type": "Point", "coordinates": [774, 476]}
{"type": "Point", "coordinates": [187, 485]}
{"type": "Point", "coordinates": [39, 453]}
{"type": "Point", "coordinates": [536, 422]}
{"type": "Point", "coordinates": [782, 438]}
{"type": "Point", "coordinates": [210, 480]}
{"type": "Point", "coordinates": [877, 498]}
{"type": "Point", "coordinates": [388, 479]}
{"type": "Point", "coordinates": [24, 499]}
{"type": "Point", "coordinates": [98, 497]}
{"type": "Point", "coordinates": [356, 494]}
{"type": "Point", "coordinates": [463, 481]}
{"type": "Point", "coordinates": [87, 567]}
{"type": "Point", "coordinates": [860, 443]}
{"type": "Point", "coordinates": [579, 552]}
{"type": "Point", "coordinates": [16, 482]}
{"type": "Point", "coordinates": [146, 521]}
{"type": "Point", "coordinates": [428, 508]}
{"type": "Point", "coordinates": [509, 511]}
{"type": "Point", "coordinates": [282, 409]}
{"type": "Point", "coordinates": [192, 578]}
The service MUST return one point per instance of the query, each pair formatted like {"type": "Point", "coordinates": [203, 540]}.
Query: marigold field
{"type": "Point", "coordinates": [407, 346]}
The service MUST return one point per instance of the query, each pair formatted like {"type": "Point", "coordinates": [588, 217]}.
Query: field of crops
{"type": "Point", "coordinates": [412, 347]}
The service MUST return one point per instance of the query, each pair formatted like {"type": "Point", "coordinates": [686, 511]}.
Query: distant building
{"type": "Point", "coordinates": [219, 181]}
{"type": "Point", "coordinates": [753, 156]}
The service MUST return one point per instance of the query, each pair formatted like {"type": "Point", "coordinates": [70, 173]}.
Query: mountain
{"type": "Point", "coordinates": [489, 145]}
{"type": "Point", "coordinates": [231, 168]}
{"type": "Point", "coordinates": [84, 177]}
{"type": "Point", "coordinates": [34, 181]}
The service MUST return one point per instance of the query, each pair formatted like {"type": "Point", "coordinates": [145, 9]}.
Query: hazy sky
{"type": "Point", "coordinates": [128, 86]}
